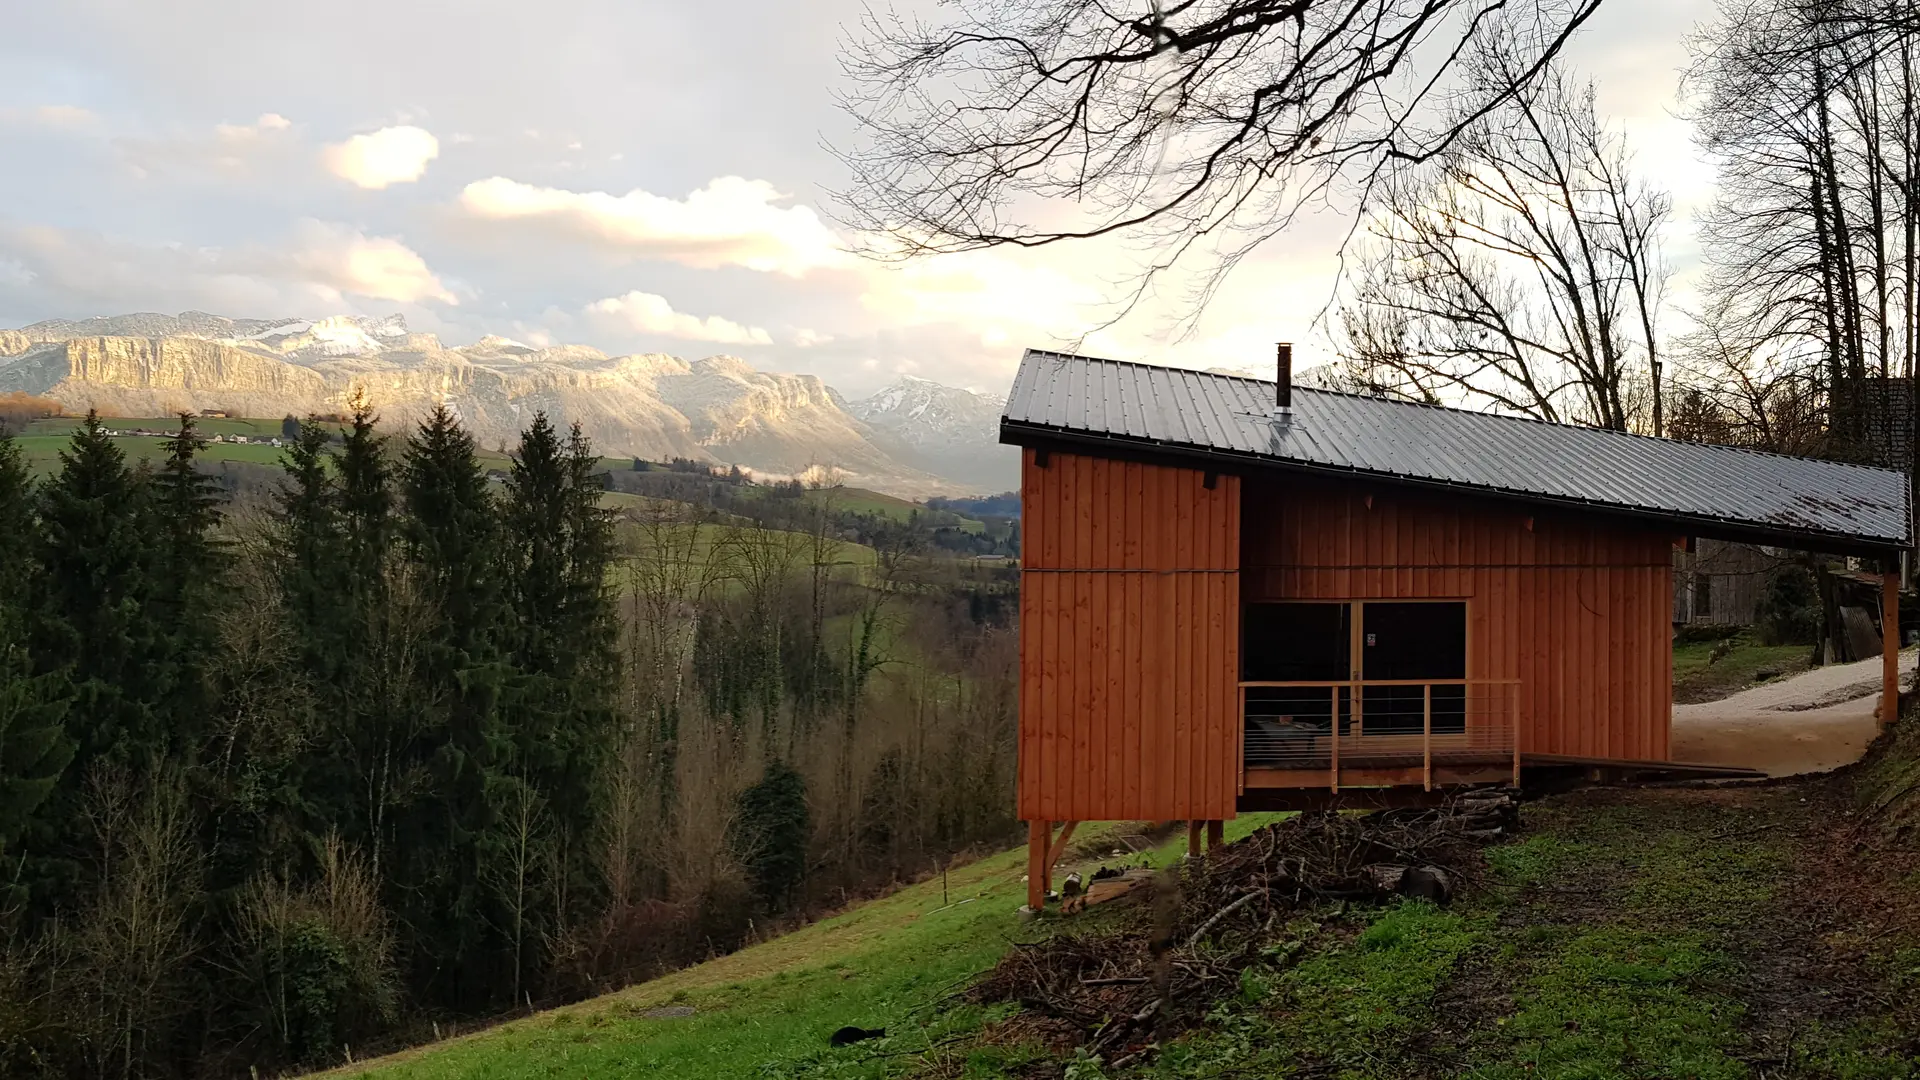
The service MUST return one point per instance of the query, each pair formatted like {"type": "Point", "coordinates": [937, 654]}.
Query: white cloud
{"type": "Point", "coordinates": [377, 267]}
{"type": "Point", "coordinates": [268, 123]}
{"type": "Point", "coordinates": [650, 314]}
{"type": "Point", "coordinates": [316, 263]}
{"type": "Point", "coordinates": [730, 222]}
{"type": "Point", "coordinates": [392, 155]}
{"type": "Point", "coordinates": [52, 117]}
{"type": "Point", "coordinates": [64, 117]}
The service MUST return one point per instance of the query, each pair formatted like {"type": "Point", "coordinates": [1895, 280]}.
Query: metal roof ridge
{"type": "Point", "coordinates": [1317, 390]}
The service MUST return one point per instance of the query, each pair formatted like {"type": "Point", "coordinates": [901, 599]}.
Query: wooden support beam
{"type": "Point", "coordinates": [1889, 648]}
{"type": "Point", "coordinates": [1216, 834]}
{"type": "Point", "coordinates": [1059, 848]}
{"type": "Point", "coordinates": [1037, 863]}
{"type": "Point", "coordinates": [1193, 838]}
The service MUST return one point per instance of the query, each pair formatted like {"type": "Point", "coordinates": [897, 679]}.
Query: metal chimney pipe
{"type": "Point", "coordinates": [1283, 389]}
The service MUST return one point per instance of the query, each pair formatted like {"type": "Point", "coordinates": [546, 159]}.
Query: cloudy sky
{"type": "Point", "coordinates": [634, 175]}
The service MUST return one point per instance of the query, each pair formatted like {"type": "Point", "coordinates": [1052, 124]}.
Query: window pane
{"type": "Point", "coordinates": [1296, 642]}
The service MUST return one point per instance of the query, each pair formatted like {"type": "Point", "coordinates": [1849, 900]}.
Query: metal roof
{"type": "Point", "coordinates": [1720, 490]}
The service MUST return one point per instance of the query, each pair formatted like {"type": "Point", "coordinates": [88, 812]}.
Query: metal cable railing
{"type": "Point", "coordinates": [1379, 724]}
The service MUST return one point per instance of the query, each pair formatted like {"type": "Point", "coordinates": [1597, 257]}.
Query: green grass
{"type": "Point", "coordinates": [1699, 675]}
{"type": "Point", "coordinates": [862, 501]}
{"type": "Point", "coordinates": [766, 1011]}
{"type": "Point", "coordinates": [64, 425]}
{"type": "Point", "coordinates": [1619, 940]}
{"type": "Point", "coordinates": [43, 451]}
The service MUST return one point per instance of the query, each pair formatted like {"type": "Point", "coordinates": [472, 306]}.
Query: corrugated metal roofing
{"type": "Point", "coordinates": [1530, 459]}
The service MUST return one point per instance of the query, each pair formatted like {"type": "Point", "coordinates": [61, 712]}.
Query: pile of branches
{"type": "Point", "coordinates": [1123, 988]}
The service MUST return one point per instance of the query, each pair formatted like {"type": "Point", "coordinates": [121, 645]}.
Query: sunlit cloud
{"type": "Point", "coordinates": [392, 155]}
{"type": "Point", "coordinates": [646, 313]}
{"type": "Point", "coordinates": [729, 222]}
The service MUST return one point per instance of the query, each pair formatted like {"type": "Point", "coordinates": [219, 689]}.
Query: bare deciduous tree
{"type": "Point", "coordinates": [1521, 269]}
{"type": "Point", "coordinates": [1177, 122]}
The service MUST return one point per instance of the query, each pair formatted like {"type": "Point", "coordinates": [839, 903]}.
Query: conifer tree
{"type": "Point", "coordinates": [92, 612]}
{"type": "Point", "coordinates": [307, 536]}
{"type": "Point", "coordinates": [366, 497]}
{"type": "Point", "coordinates": [559, 548]}
{"type": "Point", "coordinates": [92, 622]}
{"type": "Point", "coordinates": [451, 538]}
{"type": "Point", "coordinates": [187, 563]}
{"type": "Point", "coordinates": [33, 744]}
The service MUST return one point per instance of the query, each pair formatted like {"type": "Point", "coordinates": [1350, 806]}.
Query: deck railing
{"type": "Point", "coordinates": [1325, 727]}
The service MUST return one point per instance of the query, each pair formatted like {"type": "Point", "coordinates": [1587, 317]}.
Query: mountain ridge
{"type": "Point", "coordinates": [915, 437]}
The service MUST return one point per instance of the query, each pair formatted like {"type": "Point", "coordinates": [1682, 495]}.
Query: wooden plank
{"type": "Point", "coordinates": [1134, 784]}
{"type": "Point", "coordinates": [1078, 780]}
{"type": "Point", "coordinates": [1059, 848]}
{"type": "Point", "coordinates": [1113, 706]}
{"type": "Point", "coordinates": [1037, 832]}
{"type": "Point", "coordinates": [1050, 705]}
{"type": "Point", "coordinates": [1889, 648]}
{"type": "Point", "coordinates": [1180, 708]}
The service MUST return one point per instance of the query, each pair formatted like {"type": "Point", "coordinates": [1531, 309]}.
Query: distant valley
{"type": "Point", "coordinates": [916, 437]}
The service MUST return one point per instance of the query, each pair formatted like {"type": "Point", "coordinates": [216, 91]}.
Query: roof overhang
{"type": "Point", "coordinates": [1022, 433]}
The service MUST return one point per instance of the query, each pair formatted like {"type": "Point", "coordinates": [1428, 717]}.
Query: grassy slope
{"type": "Point", "coordinates": [1632, 934]}
{"type": "Point", "coordinates": [1677, 933]}
{"type": "Point", "coordinates": [767, 1010]}
{"type": "Point", "coordinates": [1697, 679]}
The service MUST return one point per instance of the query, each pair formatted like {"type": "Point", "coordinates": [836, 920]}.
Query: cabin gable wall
{"type": "Point", "coordinates": [1129, 641]}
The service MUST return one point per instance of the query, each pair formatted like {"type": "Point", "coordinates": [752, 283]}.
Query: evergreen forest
{"type": "Point", "coordinates": [395, 747]}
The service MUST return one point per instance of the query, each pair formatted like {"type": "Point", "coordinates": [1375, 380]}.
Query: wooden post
{"type": "Point", "coordinates": [1426, 733]}
{"type": "Point", "coordinates": [1889, 648]}
{"type": "Point", "coordinates": [1513, 725]}
{"type": "Point", "coordinates": [1193, 838]}
{"type": "Point", "coordinates": [1059, 848]}
{"type": "Point", "coordinates": [1216, 834]}
{"type": "Point", "coordinates": [1333, 746]}
{"type": "Point", "coordinates": [1037, 836]}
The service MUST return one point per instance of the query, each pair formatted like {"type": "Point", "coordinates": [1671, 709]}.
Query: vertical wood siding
{"type": "Point", "coordinates": [1129, 641]}
{"type": "Point", "coordinates": [1577, 608]}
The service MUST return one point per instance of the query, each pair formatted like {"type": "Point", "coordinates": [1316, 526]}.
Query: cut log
{"type": "Point", "coordinates": [1427, 883]}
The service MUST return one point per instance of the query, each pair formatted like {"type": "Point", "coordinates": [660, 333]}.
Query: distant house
{"type": "Point", "coordinates": [1239, 596]}
{"type": "Point", "coordinates": [213, 414]}
{"type": "Point", "coordinates": [1718, 583]}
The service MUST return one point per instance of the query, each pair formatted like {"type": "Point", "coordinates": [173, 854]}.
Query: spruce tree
{"type": "Point", "coordinates": [366, 497]}
{"type": "Point", "coordinates": [559, 547]}
{"type": "Point", "coordinates": [307, 539]}
{"type": "Point", "coordinates": [451, 539]}
{"type": "Point", "coordinates": [92, 613]}
{"type": "Point", "coordinates": [33, 744]}
{"type": "Point", "coordinates": [188, 561]}
{"type": "Point", "coordinates": [92, 621]}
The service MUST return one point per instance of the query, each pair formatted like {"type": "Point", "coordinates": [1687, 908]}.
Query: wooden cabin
{"type": "Point", "coordinates": [1236, 595]}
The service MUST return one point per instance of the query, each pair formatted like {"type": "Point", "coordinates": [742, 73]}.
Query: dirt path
{"type": "Point", "coordinates": [1812, 722]}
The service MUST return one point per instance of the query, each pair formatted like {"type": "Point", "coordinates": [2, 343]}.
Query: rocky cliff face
{"type": "Point", "coordinates": [128, 376]}
{"type": "Point", "coordinates": [718, 409]}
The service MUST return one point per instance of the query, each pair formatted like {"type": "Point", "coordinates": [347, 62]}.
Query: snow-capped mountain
{"type": "Point", "coordinates": [916, 437]}
{"type": "Point", "coordinates": [942, 429]}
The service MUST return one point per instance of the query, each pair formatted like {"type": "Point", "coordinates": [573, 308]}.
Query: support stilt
{"type": "Point", "coordinates": [1216, 834]}
{"type": "Point", "coordinates": [1037, 837]}
{"type": "Point", "coordinates": [1193, 838]}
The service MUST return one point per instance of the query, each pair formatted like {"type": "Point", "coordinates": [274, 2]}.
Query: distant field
{"type": "Point", "coordinates": [43, 451]}
{"type": "Point", "coordinates": [60, 425]}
